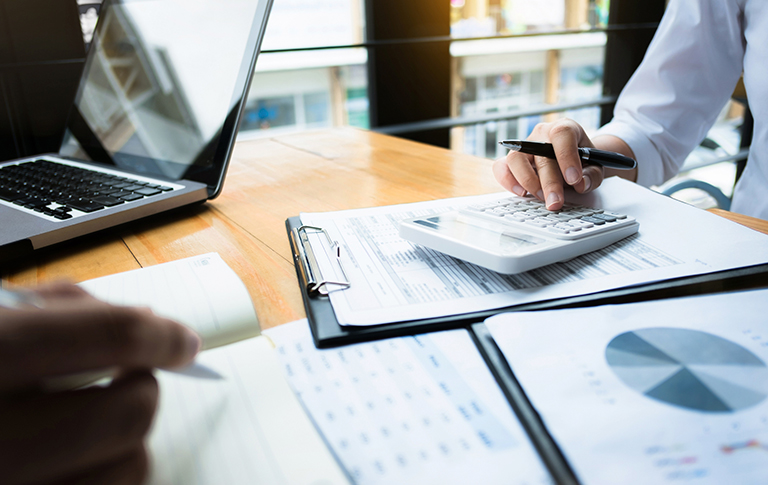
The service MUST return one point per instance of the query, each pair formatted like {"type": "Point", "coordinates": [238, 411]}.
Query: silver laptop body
{"type": "Point", "coordinates": [152, 127]}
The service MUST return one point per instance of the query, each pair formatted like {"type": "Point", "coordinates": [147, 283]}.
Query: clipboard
{"type": "Point", "coordinates": [327, 332]}
{"type": "Point", "coordinates": [548, 450]}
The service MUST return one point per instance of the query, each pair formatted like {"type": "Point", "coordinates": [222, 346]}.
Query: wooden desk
{"type": "Point", "coordinates": [270, 180]}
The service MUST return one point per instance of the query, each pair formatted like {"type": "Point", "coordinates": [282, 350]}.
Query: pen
{"type": "Point", "coordinates": [590, 155]}
{"type": "Point", "coordinates": [19, 300]}
{"type": "Point", "coordinates": [86, 379]}
{"type": "Point", "coordinates": [15, 300]}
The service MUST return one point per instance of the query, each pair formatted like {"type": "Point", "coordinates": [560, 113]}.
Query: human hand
{"type": "Point", "coordinates": [93, 435]}
{"type": "Point", "coordinates": [545, 178]}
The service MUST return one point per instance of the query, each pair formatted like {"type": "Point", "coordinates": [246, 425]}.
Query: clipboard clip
{"type": "Point", "coordinates": [311, 276]}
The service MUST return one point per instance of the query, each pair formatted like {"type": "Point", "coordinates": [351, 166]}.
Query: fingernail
{"type": "Point", "coordinates": [518, 190]}
{"type": "Point", "coordinates": [572, 176]}
{"type": "Point", "coordinates": [587, 183]}
{"type": "Point", "coordinates": [552, 199]}
{"type": "Point", "coordinates": [194, 343]}
{"type": "Point", "coordinates": [540, 195]}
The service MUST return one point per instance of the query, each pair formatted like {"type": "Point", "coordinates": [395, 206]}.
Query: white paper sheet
{"type": "Point", "coordinates": [202, 292]}
{"type": "Point", "coordinates": [411, 410]}
{"type": "Point", "coordinates": [671, 391]}
{"type": "Point", "coordinates": [394, 280]}
{"type": "Point", "coordinates": [246, 428]}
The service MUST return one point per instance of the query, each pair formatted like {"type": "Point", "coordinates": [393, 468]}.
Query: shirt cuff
{"type": "Point", "coordinates": [650, 169]}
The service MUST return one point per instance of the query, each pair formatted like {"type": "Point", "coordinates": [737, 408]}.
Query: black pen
{"type": "Point", "coordinates": [589, 155]}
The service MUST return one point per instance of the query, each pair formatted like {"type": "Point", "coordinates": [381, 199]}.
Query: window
{"type": "Point", "coordinates": [520, 70]}
{"type": "Point", "coordinates": [298, 85]}
{"type": "Point", "coordinates": [509, 63]}
{"type": "Point", "coordinates": [89, 14]}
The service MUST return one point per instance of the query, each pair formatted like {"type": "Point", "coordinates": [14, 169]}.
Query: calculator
{"type": "Point", "coordinates": [517, 234]}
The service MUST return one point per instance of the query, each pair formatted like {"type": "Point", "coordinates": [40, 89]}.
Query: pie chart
{"type": "Point", "coordinates": [689, 369]}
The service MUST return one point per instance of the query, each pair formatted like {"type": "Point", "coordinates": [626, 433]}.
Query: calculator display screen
{"type": "Point", "coordinates": [484, 236]}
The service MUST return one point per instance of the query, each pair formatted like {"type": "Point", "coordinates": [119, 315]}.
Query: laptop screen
{"type": "Point", "coordinates": [164, 86]}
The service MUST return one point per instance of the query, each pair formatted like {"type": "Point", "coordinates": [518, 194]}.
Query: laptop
{"type": "Point", "coordinates": [152, 126]}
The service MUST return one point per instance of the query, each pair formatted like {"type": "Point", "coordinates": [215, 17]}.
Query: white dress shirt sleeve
{"type": "Point", "coordinates": [685, 79]}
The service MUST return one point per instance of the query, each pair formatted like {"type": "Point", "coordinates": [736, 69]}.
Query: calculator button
{"type": "Point", "coordinates": [562, 216]}
{"type": "Point", "coordinates": [540, 222]}
{"type": "Point", "coordinates": [519, 217]}
{"type": "Point", "coordinates": [557, 229]}
{"type": "Point", "coordinates": [582, 212]}
{"type": "Point", "coordinates": [571, 227]}
{"type": "Point", "coordinates": [539, 212]}
{"type": "Point", "coordinates": [604, 217]}
{"type": "Point", "coordinates": [572, 222]}
{"type": "Point", "coordinates": [593, 220]}
{"type": "Point", "coordinates": [582, 223]}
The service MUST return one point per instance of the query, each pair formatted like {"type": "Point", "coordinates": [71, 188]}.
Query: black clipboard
{"type": "Point", "coordinates": [327, 332]}
{"type": "Point", "coordinates": [561, 471]}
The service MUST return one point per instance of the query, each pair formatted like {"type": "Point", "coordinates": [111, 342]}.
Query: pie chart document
{"type": "Point", "coordinates": [671, 391]}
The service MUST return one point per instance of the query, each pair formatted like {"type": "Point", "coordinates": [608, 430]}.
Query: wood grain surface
{"type": "Point", "coordinates": [270, 180]}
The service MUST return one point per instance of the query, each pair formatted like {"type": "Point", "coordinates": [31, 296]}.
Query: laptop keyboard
{"type": "Point", "coordinates": [56, 189]}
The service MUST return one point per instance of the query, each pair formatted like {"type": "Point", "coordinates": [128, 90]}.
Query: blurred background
{"type": "Point", "coordinates": [462, 74]}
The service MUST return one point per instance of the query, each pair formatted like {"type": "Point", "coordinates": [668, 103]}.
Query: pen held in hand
{"type": "Point", "coordinates": [85, 379]}
{"type": "Point", "coordinates": [590, 155]}
{"type": "Point", "coordinates": [19, 299]}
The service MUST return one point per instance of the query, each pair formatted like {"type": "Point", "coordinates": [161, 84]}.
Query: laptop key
{"type": "Point", "coordinates": [84, 205]}
{"type": "Point", "coordinates": [132, 197]}
{"type": "Point", "coordinates": [107, 201]}
{"type": "Point", "coordinates": [147, 191]}
{"type": "Point", "coordinates": [119, 194]}
{"type": "Point", "coordinates": [9, 195]}
{"type": "Point", "coordinates": [33, 202]}
{"type": "Point", "coordinates": [109, 191]}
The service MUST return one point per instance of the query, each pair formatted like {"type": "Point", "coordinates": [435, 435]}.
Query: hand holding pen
{"type": "Point", "coordinates": [561, 153]}
{"type": "Point", "coordinates": [93, 435]}
{"type": "Point", "coordinates": [588, 155]}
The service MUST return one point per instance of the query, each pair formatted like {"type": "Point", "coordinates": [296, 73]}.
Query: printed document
{"type": "Point", "coordinates": [394, 280]}
{"type": "Point", "coordinates": [669, 391]}
{"type": "Point", "coordinates": [236, 420]}
{"type": "Point", "coordinates": [410, 410]}
{"type": "Point", "coordinates": [245, 426]}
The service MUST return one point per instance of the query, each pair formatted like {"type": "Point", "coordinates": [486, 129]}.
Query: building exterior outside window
{"type": "Point", "coordinates": [508, 74]}
{"type": "Point", "coordinates": [507, 55]}
{"type": "Point", "coordinates": [309, 89]}
{"type": "Point", "coordinates": [89, 14]}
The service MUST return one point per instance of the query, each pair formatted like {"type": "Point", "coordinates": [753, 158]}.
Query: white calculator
{"type": "Point", "coordinates": [517, 234]}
